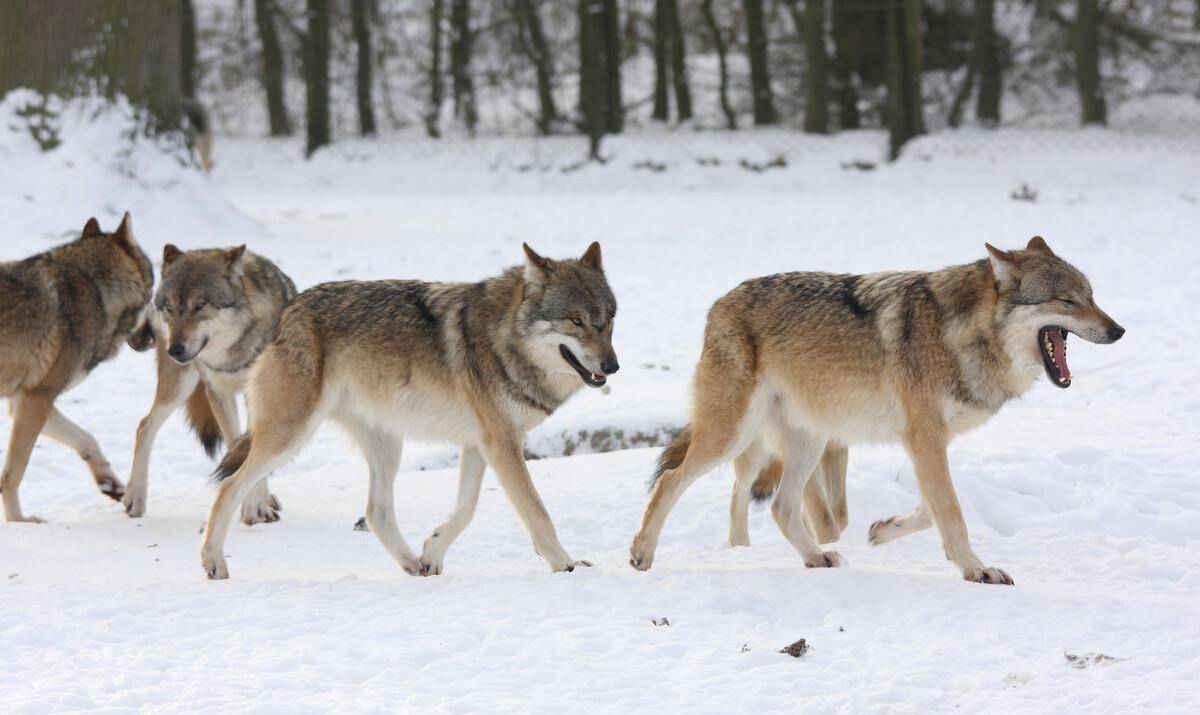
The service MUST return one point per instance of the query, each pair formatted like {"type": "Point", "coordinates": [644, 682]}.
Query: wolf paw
{"type": "Point", "coordinates": [413, 566]}
{"type": "Point", "coordinates": [261, 512]}
{"type": "Point", "coordinates": [640, 557]}
{"type": "Point", "coordinates": [988, 574]}
{"type": "Point", "coordinates": [215, 567]}
{"type": "Point", "coordinates": [883, 531]}
{"type": "Point", "coordinates": [110, 486]}
{"type": "Point", "coordinates": [825, 560]}
{"type": "Point", "coordinates": [569, 566]}
{"type": "Point", "coordinates": [28, 519]}
{"type": "Point", "coordinates": [135, 504]}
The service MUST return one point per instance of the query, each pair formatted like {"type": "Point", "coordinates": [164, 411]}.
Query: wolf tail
{"type": "Point", "coordinates": [673, 454]}
{"type": "Point", "coordinates": [233, 459]}
{"type": "Point", "coordinates": [768, 480]}
{"type": "Point", "coordinates": [203, 421]}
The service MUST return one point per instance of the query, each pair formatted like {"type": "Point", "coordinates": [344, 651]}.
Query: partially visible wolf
{"type": "Point", "coordinates": [477, 364]}
{"type": "Point", "coordinates": [214, 312]}
{"type": "Point", "coordinates": [199, 132]}
{"type": "Point", "coordinates": [795, 362]}
{"type": "Point", "coordinates": [63, 312]}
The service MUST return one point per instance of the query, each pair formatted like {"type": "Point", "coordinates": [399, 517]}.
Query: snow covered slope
{"type": "Point", "coordinates": [1086, 496]}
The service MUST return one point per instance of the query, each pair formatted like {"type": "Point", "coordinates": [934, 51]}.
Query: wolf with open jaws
{"type": "Point", "coordinates": [62, 313]}
{"type": "Point", "coordinates": [214, 312]}
{"type": "Point", "coordinates": [797, 361]}
{"type": "Point", "coordinates": [477, 364]}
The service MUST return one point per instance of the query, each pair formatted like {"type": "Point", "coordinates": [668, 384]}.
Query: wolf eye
{"type": "Point", "coordinates": [578, 323]}
{"type": "Point", "coordinates": [1067, 302]}
{"type": "Point", "coordinates": [199, 307]}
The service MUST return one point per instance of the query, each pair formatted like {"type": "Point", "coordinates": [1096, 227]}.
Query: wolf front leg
{"type": "Point", "coordinates": [175, 383]}
{"type": "Point", "coordinates": [30, 411]}
{"type": "Point", "coordinates": [505, 455]}
{"type": "Point", "coordinates": [64, 431]}
{"type": "Point", "coordinates": [926, 439]}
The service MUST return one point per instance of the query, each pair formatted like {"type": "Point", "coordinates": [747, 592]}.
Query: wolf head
{"type": "Point", "coordinates": [566, 316]}
{"type": "Point", "coordinates": [200, 298]}
{"type": "Point", "coordinates": [1044, 298]}
{"type": "Point", "coordinates": [117, 256]}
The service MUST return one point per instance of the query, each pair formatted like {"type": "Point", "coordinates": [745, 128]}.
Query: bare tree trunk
{"type": "Point", "coordinates": [591, 73]}
{"type": "Point", "coordinates": [316, 75]}
{"type": "Point", "coordinates": [360, 18]}
{"type": "Point", "coordinates": [683, 93]}
{"type": "Point", "coordinates": [670, 57]}
{"type": "Point", "coordinates": [614, 110]}
{"type": "Point", "coordinates": [844, 64]}
{"type": "Point", "coordinates": [533, 39]}
{"type": "Point", "coordinates": [187, 50]}
{"type": "Point", "coordinates": [722, 47]}
{"type": "Point", "coordinates": [760, 76]}
{"type": "Point", "coordinates": [1087, 62]}
{"type": "Point", "coordinates": [985, 56]}
{"type": "Point", "coordinates": [460, 64]}
{"type": "Point", "coordinates": [272, 70]}
{"type": "Point", "coordinates": [433, 114]}
{"type": "Point", "coordinates": [816, 69]}
{"type": "Point", "coordinates": [662, 98]}
{"type": "Point", "coordinates": [905, 110]}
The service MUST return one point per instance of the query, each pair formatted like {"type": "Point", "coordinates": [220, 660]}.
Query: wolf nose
{"type": "Point", "coordinates": [1115, 333]}
{"type": "Point", "coordinates": [609, 366]}
{"type": "Point", "coordinates": [176, 350]}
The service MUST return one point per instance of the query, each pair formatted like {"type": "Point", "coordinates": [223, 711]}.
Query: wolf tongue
{"type": "Point", "coordinates": [1060, 353]}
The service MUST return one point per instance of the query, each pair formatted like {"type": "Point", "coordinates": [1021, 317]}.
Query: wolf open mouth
{"type": "Point", "coordinates": [589, 378]}
{"type": "Point", "coordinates": [1052, 341]}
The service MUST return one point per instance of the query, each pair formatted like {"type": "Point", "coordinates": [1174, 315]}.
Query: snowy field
{"type": "Point", "coordinates": [1087, 496]}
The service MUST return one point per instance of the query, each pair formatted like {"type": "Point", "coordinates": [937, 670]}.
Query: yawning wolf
{"type": "Point", "coordinates": [798, 361]}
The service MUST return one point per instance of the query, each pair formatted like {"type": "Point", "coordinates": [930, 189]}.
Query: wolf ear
{"type": "Point", "coordinates": [1004, 267]}
{"type": "Point", "coordinates": [170, 253]}
{"type": "Point", "coordinates": [536, 267]}
{"type": "Point", "coordinates": [591, 257]}
{"type": "Point", "coordinates": [91, 228]}
{"type": "Point", "coordinates": [1037, 244]}
{"type": "Point", "coordinates": [123, 236]}
{"type": "Point", "coordinates": [235, 257]}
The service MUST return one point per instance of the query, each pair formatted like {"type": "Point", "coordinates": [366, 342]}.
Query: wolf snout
{"type": "Point", "coordinates": [610, 366]}
{"type": "Point", "coordinates": [178, 352]}
{"type": "Point", "coordinates": [1115, 332]}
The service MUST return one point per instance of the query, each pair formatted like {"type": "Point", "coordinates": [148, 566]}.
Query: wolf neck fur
{"type": "Point", "coordinates": [499, 303]}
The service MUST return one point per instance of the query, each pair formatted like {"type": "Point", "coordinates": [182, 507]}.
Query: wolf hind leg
{"type": "Point", "coordinates": [260, 505]}
{"type": "Point", "coordinates": [471, 466]}
{"type": "Point", "coordinates": [64, 431]}
{"type": "Point", "coordinates": [825, 496]}
{"type": "Point", "coordinates": [894, 527]}
{"type": "Point", "coordinates": [746, 468]}
{"type": "Point", "coordinates": [30, 412]}
{"type": "Point", "coordinates": [802, 451]}
{"type": "Point", "coordinates": [726, 421]}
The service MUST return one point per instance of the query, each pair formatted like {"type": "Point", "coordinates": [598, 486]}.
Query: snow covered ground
{"type": "Point", "coordinates": [1086, 496]}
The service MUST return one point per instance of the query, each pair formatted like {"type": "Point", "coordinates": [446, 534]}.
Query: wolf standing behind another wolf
{"type": "Point", "coordinates": [64, 312]}
{"type": "Point", "coordinates": [803, 359]}
{"type": "Point", "coordinates": [213, 313]}
{"type": "Point", "coordinates": [477, 364]}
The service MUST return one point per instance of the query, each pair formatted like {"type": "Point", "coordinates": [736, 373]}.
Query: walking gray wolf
{"type": "Point", "coordinates": [64, 312]}
{"type": "Point", "coordinates": [214, 312]}
{"type": "Point", "coordinates": [199, 132]}
{"type": "Point", "coordinates": [794, 362]}
{"type": "Point", "coordinates": [477, 364]}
